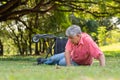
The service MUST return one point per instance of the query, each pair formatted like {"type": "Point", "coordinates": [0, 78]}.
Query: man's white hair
{"type": "Point", "coordinates": [73, 30]}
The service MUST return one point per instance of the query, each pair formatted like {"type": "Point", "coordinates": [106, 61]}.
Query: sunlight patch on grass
{"type": "Point", "coordinates": [112, 50]}
{"type": "Point", "coordinates": [111, 47]}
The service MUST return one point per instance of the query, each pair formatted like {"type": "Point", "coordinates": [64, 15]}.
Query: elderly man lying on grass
{"type": "Point", "coordinates": [80, 50]}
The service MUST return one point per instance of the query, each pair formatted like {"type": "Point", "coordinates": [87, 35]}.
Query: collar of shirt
{"type": "Point", "coordinates": [81, 40]}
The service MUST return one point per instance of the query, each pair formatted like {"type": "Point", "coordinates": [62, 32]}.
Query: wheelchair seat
{"type": "Point", "coordinates": [60, 43]}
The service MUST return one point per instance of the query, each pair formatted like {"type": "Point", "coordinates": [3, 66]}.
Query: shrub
{"type": "Point", "coordinates": [101, 35]}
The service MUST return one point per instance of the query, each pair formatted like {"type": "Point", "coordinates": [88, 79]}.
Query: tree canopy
{"type": "Point", "coordinates": [14, 9]}
{"type": "Point", "coordinates": [21, 19]}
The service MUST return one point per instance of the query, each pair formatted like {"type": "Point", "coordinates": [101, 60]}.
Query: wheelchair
{"type": "Point", "coordinates": [54, 45]}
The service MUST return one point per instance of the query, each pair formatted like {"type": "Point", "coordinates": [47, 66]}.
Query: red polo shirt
{"type": "Point", "coordinates": [85, 51]}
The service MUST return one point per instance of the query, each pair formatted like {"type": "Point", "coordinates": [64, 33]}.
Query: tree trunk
{"type": "Point", "coordinates": [1, 48]}
{"type": "Point", "coordinates": [36, 49]}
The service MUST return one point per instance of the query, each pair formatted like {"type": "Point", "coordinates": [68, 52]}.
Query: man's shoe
{"type": "Point", "coordinates": [41, 60]}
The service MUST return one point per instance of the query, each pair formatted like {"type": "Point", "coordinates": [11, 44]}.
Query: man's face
{"type": "Point", "coordinates": [74, 39]}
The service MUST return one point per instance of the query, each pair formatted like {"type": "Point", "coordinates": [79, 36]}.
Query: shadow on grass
{"type": "Point", "coordinates": [18, 58]}
{"type": "Point", "coordinates": [33, 58]}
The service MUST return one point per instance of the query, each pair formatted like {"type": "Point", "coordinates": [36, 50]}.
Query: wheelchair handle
{"type": "Point", "coordinates": [37, 37]}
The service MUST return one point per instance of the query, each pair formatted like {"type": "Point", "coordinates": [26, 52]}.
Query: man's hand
{"type": "Point", "coordinates": [102, 60]}
{"type": "Point", "coordinates": [67, 57]}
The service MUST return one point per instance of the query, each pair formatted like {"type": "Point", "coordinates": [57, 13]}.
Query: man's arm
{"type": "Point", "coordinates": [67, 57]}
{"type": "Point", "coordinates": [102, 60]}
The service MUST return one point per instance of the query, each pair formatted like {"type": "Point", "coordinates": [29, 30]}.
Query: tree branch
{"type": "Point", "coordinates": [8, 5]}
{"type": "Point", "coordinates": [16, 14]}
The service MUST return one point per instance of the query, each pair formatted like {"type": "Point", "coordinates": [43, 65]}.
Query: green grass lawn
{"type": "Point", "coordinates": [23, 68]}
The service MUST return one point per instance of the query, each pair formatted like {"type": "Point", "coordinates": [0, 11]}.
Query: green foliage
{"type": "Point", "coordinates": [105, 22]}
{"type": "Point", "coordinates": [101, 35]}
{"type": "Point", "coordinates": [102, 6]}
{"type": "Point", "coordinates": [113, 36]}
{"type": "Point", "coordinates": [57, 22]}
{"type": "Point", "coordinates": [92, 25]}
{"type": "Point", "coordinates": [54, 21]}
{"type": "Point", "coordinates": [86, 23]}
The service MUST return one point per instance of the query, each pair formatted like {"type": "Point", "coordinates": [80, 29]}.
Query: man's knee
{"type": "Point", "coordinates": [62, 62]}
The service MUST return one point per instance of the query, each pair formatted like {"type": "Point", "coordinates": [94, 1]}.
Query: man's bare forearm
{"type": "Point", "coordinates": [102, 60]}
{"type": "Point", "coordinates": [67, 57]}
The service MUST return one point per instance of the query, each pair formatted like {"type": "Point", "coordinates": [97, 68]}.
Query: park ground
{"type": "Point", "coordinates": [24, 68]}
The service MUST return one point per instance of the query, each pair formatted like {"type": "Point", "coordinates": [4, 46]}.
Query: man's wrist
{"type": "Point", "coordinates": [68, 64]}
